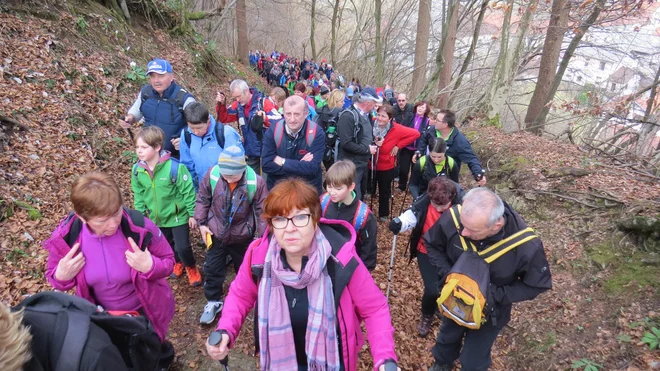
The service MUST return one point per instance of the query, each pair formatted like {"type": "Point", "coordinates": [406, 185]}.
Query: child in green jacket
{"type": "Point", "coordinates": [163, 191]}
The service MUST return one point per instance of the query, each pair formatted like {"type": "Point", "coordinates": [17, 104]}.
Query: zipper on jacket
{"type": "Point", "coordinates": [153, 188]}
{"type": "Point", "coordinates": [105, 260]}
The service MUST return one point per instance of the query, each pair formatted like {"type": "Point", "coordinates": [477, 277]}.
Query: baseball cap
{"type": "Point", "coordinates": [349, 91]}
{"type": "Point", "coordinates": [324, 90]}
{"type": "Point", "coordinates": [369, 93]}
{"type": "Point", "coordinates": [159, 66]}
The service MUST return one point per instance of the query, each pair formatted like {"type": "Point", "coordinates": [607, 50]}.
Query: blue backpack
{"type": "Point", "coordinates": [361, 213]}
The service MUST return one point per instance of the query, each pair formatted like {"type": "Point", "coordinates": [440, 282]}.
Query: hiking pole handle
{"type": "Point", "coordinates": [214, 339]}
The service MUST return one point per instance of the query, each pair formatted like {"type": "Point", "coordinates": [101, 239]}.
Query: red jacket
{"type": "Point", "coordinates": [399, 136]}
{"type": "Point", "coordinates": [229, 114]}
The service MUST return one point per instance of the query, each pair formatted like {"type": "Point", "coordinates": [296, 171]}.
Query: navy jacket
{"type": "Point", "coordinates": [458, 148]}
{"type": "Point", "coordinates": [293, 149]}
{"type": "Point", "coordinates": [164, 113]}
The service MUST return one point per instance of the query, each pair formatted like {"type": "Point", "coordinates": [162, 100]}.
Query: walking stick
{"type": "Point", "coordinates": [214, 339]}
{"type": "Point", "coordinates": [372, 186]}
{"type": "Point", "coordinates": [389, 276]}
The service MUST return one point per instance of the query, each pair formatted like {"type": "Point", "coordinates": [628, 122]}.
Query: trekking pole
{"type": "Point", "coordinates": [405, 195]}
{"type": "Point", "coordinates": [389, 275]}
{"type": "Point", "coordinates": [214, 339]}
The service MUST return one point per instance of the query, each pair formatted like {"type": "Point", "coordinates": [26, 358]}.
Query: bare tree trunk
{"type": "Point", "coordinates": [421, 46]}
{"type": "Point", "coordinates": [448, 57]}
{"type": "Point", "coordinates": [549, 58]}
{"type": "Point", "coordinates": [498, 72]}
{"type": "Point", "coordinates": [312, 30]}
{"type": "Point", "coordinates": [432, 83]}
{"type": "Point", "coordinates": [507, 66]}
{"type": "Point", "coordinates": [333, 32]}
{"type": "Point", "coordinates": [650, 128]}
{"type": "Point", "coordinates": [568, 54]}
{"type": "Point", "coordinates": [241, 29]}
{"type": "Point", "coordinates": [379, 45]}
{"type": "Point", "coordinates": [470, 53]}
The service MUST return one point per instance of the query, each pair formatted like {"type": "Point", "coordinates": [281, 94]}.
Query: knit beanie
{"type": "Point", "coordinates": [232, 161]}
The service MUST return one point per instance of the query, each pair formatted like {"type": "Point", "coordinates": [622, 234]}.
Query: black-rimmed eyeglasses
{"type": "Point", "coordinates": [281, 222]}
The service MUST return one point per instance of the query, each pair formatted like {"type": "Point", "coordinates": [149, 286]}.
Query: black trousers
{"type": "Point", "coordinates": [215, 267]}
{"type": "Point", "coordinates": [471, 346]}
{"type": "Point", "coordinates": [361, 181]}
{"type": "Point", "coordinates": [431, 279]}
{"type": "Point", "coordinates": [254, 163]}
{"type": "Point", "coordinates": [384, 183]}
{"type": "Point", "coordinates": [405, 164]}
{"type": "Point", "coordinates": [179, 239]}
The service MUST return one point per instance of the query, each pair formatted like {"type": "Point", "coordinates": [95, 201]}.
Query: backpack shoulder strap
{"type": "Point", "coordinates": [325, 202]}
{"type": "Point", "coordinates": [180, 98]}
{"type": "Point", "coordinates": [220, 134]}
{"type": "Point", "coordinates": [311, 133]}
{"type": "Point", "coordinates": [74, 231]}
{"type": "Point", "coordinates": [145, 93]}
{"type": "Point", "coordinates": [77, 330]}
{"type": "Point", "coordinates": [187, 136]}
{"type": "Point", "coordinates": [278, 133]}
{"type": "Point", "coordinates": [174, 170]}
{"type": "Point", "coordinates": [251, 181]}
{"type": "Point", "coordinates": [360, 217]}
{"type": "Point", "coordinates": [502, 247]}
{"type": "Point", "coordinates": [214, 177]}
{"type": "Point", "coordinates": [455, 214]}
{"type": "Point", "coordinates": [138, 219]}
{"type": "Point", "coordinates": [422, 163]}
{"type": "Point", "coordinates": [450, 163]}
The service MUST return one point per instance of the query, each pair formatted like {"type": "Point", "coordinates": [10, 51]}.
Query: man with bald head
{"type": "Point", "coordinates": [294, 147]}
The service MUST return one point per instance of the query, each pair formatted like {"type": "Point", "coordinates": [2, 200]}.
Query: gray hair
{"type": "Point", "coordinates": [240, 85]}
{"type": "Point", "coordinates": [483, 200]}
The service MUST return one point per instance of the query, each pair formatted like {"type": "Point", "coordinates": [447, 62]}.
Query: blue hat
{"type": "Point", "coordinates": [349, 91]}
{"type": "Point", "coordinates": [369, 93]}
{"type": "Point", "coordinates": [159, 66]}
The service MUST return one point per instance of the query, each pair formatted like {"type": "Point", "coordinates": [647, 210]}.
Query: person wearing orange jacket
{"type": "Point", "coordinates": [389, 137]}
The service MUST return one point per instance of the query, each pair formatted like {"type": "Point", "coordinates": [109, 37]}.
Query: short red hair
{"type": "Point", "coordinates": [289, 194]}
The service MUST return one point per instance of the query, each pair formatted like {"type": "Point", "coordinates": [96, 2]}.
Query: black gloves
{"type": "Point", "coordinates": [395, 226]}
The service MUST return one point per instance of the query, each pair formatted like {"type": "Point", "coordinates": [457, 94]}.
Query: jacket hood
{"type": "Point", "coordinates": [164, 156]}
{"type": "Point", "coordinates": [341, 237]}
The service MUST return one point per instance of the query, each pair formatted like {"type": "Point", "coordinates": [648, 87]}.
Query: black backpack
{"type": "Point", "coordinates": [136, 217]}
{"type": "Point", "coordinates": [138, 344]}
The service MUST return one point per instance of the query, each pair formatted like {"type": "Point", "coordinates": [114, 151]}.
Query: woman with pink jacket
{"type": "Point", "coordinates": [311, 292]}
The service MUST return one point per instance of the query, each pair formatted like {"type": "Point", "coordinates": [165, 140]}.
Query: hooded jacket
{"type": "Point", "coordinates": [354, 136]}
{"type": "Point", "coordinates": [155, 196]}
{"type": "Point", "coordinates": [519, 275]}
{"type": "Point", "coordinates": [229, 215]}
{"type": "Point", "coordinates": [356, 294]}
{"type": "Point", "coordinates": [154, 292]}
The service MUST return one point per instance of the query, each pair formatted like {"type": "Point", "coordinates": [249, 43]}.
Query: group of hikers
{"type": "Point", "coordinates": [303, 241]}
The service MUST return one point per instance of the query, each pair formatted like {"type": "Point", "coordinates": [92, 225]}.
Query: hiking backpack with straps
{"type": "Point", "coordinates": [356, 129]}
{"type": "Point", "coordinates": [178, 100]}
{"type": "Point", "coordinates": [250, 180]}
{"type": "Point", "coordinates": [310, 133]}
{"type": "Point", "coordinates": [219, 135]}
{"type": "Point", "coordinates": [466, 289]}
{"type": "Point", "coordinates": [361, 213]}
{"type": "Point", "coordinates": [134, 337]}
{"type": "Point", "coordinates": [137, 218]}
{"type": "Point", "coordinates": [174, 170]}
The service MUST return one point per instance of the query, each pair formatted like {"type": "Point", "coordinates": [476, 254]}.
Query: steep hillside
{"type": "Point", "coordinates": [66, 77]}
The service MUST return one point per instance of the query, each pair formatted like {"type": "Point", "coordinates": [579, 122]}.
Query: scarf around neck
{"type": "Point", "coordinates": [382, 132]}
{"type": "Point", "coordinates": [277, 347]}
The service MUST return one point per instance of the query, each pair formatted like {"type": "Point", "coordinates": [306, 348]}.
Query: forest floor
{"type": "Point", "coordinates": [66, 79]}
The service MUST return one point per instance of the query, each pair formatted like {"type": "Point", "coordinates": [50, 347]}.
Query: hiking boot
{"type": "Point", "coordinates": [194, 277]}
{"type": "Point", "coordinates": [441, 367]}
{"type": "Point", "coordinates": [178, 270]}
{"type": "Point", "coordinates": [211, 310]}
{"type": "Point", "coordinates": [424, 325]}
{"type": "Point", "coordinates": [382, 219]}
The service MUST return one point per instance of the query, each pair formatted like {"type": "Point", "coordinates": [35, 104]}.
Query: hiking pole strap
{"type": "Point", "coordinates": [74, 340]}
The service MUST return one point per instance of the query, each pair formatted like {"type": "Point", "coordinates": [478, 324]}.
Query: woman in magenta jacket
{"type": "Point", "coordinates": [307, 282]}
{"type": "Point", "coordinates": [110, 260]}
{"type": "Point", "coordinates": [390, 137]}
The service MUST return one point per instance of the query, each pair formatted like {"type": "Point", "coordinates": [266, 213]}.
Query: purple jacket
{"type": "Point", "coordinates": [360, 297]}
{"type": "Point", "coordinates": [152, 288]}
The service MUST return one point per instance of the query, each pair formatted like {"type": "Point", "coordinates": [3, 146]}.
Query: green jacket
{"type": "Point", "coordinates": [167, 204]}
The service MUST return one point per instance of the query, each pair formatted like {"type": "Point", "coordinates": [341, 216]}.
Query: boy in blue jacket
{"type": "Point", "coordinates": [203, 140]}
